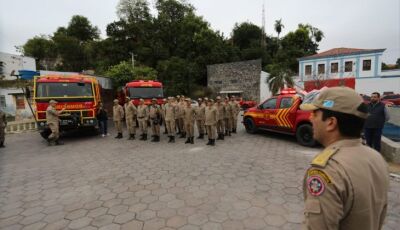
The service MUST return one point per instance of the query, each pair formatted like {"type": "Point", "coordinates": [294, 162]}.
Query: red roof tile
{"type": "Point", "coordinates": [341, 51]}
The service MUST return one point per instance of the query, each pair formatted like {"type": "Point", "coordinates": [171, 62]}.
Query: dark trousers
{"type": "Point", "coordinates": [103, 127]}
{"type": "Point", "coordinates": [373, 138]}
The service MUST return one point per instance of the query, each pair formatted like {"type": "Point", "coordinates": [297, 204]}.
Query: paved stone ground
{"type": "Point", "coordinates": [245, 182]}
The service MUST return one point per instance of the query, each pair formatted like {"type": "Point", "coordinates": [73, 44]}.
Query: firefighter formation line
{"type": "Point", "coordinates": [216, 119]}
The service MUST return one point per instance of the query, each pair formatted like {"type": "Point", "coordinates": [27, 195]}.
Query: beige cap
{"type": "Point", "coordinates": [154, 99]}
{"type": "Point", "coordinates": [116, 101]}
{"type": "Point", "coordinates": [52, 101]}
{"type": "Point", "coordinates": [338, 99]}
{"type": "Point", "coordinates": [187, 99]}
{"type": "Point", "coordinates": [199, 99]}
{"type": "Point", "coordinates": [210, 100]}
{"type": "Point", "coordinates": [141, 100]}
{"type": "Point", "coordinates": [218, 98]}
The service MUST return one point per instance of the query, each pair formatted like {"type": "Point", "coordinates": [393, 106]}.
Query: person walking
{"type": "Point", "coordinates": [200, 111]}
{"type": "Point", "coordinates": [377, 116]}
{"type": "Point", "coordinates": [3, 125]}
{"type": "Point", "coordinates": [102, 118]}
{"type": "Point", "coordinates": [189, 116]}
{"type": "Point", "coordinates": [211, 121]}
{"type": "Point", "coordinates": [220, 118]}
{"type": "Point", "coordinates": [130, 118]}
{"type": "Point", "coordinates": [346, 185]}
{"type": "Point", "coordinates": [53, 122]}
{"type": "Point", "coordinates": [155, 120]}
{"type": "Point", "coordinates": [143, 117]}
{"type": "Point", "coordinates": [118, 115]}
{"type": "Point", "coordinates": [228, 117]}
{"type": "Point", "coordinates": [170, 113]}
{"type": "Point", "coordinates": [235, 113]}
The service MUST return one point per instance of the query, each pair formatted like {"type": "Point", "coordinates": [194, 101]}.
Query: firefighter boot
{"type": "Point", "coordinates": [209, 142]}
{"type": "Point", "coordinates": [183, 135]}
{"type": "Point", "coordinates": [233, 130]}
{"type": "Point", "coordinates": [141, 137]}
{"type": "Point", "coordinates": [219, 136]}
{"type": "Point", "coordinates": [187, 140]}
{"type": "Point", "coordinates": [157, 138]}
{"type": "Point", "coordinates": [58, 142]}
{"type": "Point", "coordinates": [145, 137]}
{"type": "Point", "coordinates": [201, 136]}
{"type": "Point", "coordinates": [212, 142]}
{"type": "Point", "coordinates": [2, 145]}
{"type": "Point", "coordinates": [191, 140]}
{"type": "Point", "coordinates": [222, 136]}
{"type": "Point", "coordinates": [170, 139]}
{"type": "Point", "coordinates": [173, 139]}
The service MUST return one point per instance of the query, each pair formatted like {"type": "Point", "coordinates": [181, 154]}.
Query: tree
{"type": "Point", "coordinates": [133, 10]}
{"type": "Point", "coordinates": [278, 26]}
{"type": "Point", "coordinates": [42, 49]}
{"type": "Point", "coordinates": [279, 78]}
{"type": "Point", "coordinates": [246, 35]}
{"type": "Point", "coordinates": [398, 63]}
{"type": "Point", "coordinates": [124, 72]}
{"type": "Point", "coordinates": [81, 28]}
{"type": "Point", "coordinates": [1, 70]}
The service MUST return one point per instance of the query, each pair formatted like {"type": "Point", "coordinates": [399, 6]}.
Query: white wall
{"type": "Point", "coordinates": [11, 107]}
{"type": "Point", "coordinates": [264, 89]}
{"type": "Point", "coordinates": [380, 85]}
{"type": "Point", "coordinates": [16, 62]}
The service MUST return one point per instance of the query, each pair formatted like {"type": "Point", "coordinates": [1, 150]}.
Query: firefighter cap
{"type": "Point", "coordinates": [218, 98]}
{"type": "Point", "coordinates": [53, 101]}
{"type": "Point", "coordinates": [115, 101]}
{"type": "Point", "coordinates": [153, 99]}
{"type": "Point", "coordinates": [338, 99]}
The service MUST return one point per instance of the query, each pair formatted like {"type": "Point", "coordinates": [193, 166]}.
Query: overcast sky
{"type": "Point", "coordinates": [345, 23]}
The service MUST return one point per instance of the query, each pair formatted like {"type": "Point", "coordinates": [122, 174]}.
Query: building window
{"type": "Point", "coordinates": [334, 67]}
{"type": "Point", "coordinates": [348, 66]}
{"type": "Point", "coordinates": [234, 81]}
{"type": "Point", "coordinates": [218, 82]}
{"type": "Point", "coordinates": [2, 101]}
{"type": "Point", "coordinates": [367, 65]}
{"type": "Point", "coordinates": [20, 101]}
{"type": "Point", "coordinates": [321, 68]}
{"type": "Point", "coordinates": [308, 70]}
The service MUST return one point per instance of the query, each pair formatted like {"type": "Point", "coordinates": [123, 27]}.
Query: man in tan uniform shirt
{"type": "Point", "coordinates": [170, 113]}
{"type": "Point", "coordinates": [200, 117]}
{"type": "Point", "coordinates": [118, 115]}
{"type": "Point", "coordinates": [220, 118]}
{"type": "Point", "coordinates": [228, 117]}
{"type": "Point", "coordinates": [155, 119]}
{"type": "Point", "coordinates": [53, 122]}
{"type": "Point", "coordinates": [235, 113]}
{"type": "Point", "coordinates": [163, 115]}
{"type": "Point", "coordinates": [211, 121]}
{"type": "Point", "coordinates": [130, 118]}
{"type": "Point", "coordinates": [189, 116]}
{"type": "Point", "coordinates": [143, 117]}
{"type": "Point", "coordinates": [3, 125]}
{"type": "Point", "coordinates": [347, 183]}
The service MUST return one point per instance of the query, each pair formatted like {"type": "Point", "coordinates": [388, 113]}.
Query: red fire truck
{"type": "Point", "coordinates": [281, 114]}
{"type": "Point", "coordinates": [145, 89]}
{"type": "Point", "coordinates": [78, 94]}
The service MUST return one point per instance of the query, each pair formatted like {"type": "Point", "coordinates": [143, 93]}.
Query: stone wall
{"type": "Point", "coordinates": [236, 76]}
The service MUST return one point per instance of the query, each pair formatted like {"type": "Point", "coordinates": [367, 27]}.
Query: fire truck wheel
{"type": "Point", "coordinates": [304, 135]}
{"type": "Point", "coordinates": [250, 125]}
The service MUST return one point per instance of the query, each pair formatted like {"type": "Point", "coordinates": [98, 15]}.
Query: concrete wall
{"type": "Point", "coordinates": [236, 76]}
{"type": "Point", "coordinates": [16, 62]}
{"type": "Point", "coordinates": [11, 108]}
{"type": "Point", "coordinates": [370, 85]}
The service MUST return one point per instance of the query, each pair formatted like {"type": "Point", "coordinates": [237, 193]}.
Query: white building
{"type": "Point", "coordinates": [364, 65]}
{"type": "Point", "coordinates": [13, 63]}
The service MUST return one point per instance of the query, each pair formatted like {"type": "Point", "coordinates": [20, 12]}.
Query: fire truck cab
{"type": "Point", "coordinates": [78, 94]}
{"type": "Point", "coordinates": [144, 89]}
{"type": "Point", "coordinates": [281, 114]}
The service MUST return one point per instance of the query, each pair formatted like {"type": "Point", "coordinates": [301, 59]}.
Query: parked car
{"type": "Point", "coordinates": [393, 99]}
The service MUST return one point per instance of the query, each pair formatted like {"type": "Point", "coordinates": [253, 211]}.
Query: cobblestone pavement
{"type": "Point", "coordinates": [245, 182]}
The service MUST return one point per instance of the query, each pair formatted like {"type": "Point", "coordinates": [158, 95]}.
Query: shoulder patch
{"type": "Point", "coordinates": [322, 159]}
{"type": "Point", "coordinates": [315, 185]}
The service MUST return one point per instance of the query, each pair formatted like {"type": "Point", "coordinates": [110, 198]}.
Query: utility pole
{"type": "Point", "coordinates": [263, 35]}
{"type": "Point", "coordinates": [133, 59]}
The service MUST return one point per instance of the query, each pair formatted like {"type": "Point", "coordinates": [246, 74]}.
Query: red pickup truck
{"type": "Point", "coordinates": [281, 114]}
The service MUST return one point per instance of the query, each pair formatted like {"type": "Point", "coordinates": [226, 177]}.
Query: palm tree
{"type": "Point", "coordinates": [279, 78]}
{"type": "Point", "coordinates": [279, 26]}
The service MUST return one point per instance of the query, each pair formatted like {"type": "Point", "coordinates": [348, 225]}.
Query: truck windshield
{"type": "Point", "coordinates": [146, 92]}
{"type": "Point", "coordinates": [64, 89]}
